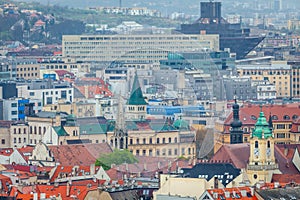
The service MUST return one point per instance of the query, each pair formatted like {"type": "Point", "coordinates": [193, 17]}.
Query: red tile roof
{"type": "Point", "coordinates": [231, 191]}
{"type": "Point", "coordinates": [6, 151]}
{"type": "Point", "coordinates": [286, 178]}
{"type": "Point", "coordinates": [67, 170]}
{"type": "Point", "coordinates": [80, 154]}
{"type": "Point", "coordinates": [74, 191]}
{"type": "Point", "coordinates": [249, 114]}
{"type": "Point", "coordinates": [5, 181]}
{"type": "Point", "coordinates": [232, 154]}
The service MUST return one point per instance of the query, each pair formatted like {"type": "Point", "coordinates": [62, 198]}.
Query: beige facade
{"type": "Point", "coordinates": [133, 48]}
{"type": "Point", "coordinates": [169, 144]}
{"type": "Point", "coordinates": [80, 109]}
{"type": "Point", "coordinates": [184, 187]}
{"type": "Point", "coordinates": [78, 69]}
{"type": "Point", "coordinates": [19, 135]}
{"type": "Point", "coordinates": [39, 125]}
{"type": "Point", "coordinates": [278, 73]}
{"type": "Point", "coordinates": [5, 134]}
{"type": "Point", "coordinates": [28, 71]}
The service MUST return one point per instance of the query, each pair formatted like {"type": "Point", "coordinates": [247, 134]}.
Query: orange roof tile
{"type": "Point", "coordinates": [79, 154]}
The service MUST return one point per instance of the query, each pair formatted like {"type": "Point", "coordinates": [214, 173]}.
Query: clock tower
{"type": "Point", "coordinates": [262, 162]}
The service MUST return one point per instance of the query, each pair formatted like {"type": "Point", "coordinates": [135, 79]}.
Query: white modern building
{"type": "Point", "coordinates": [134, 48]}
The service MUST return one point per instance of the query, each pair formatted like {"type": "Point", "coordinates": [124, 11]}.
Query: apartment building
{"type": "Point", "coordinates": [50, 92]}
{"type": "Point", "coordinates": [17, 108]}
{"type": "Point", "coordinates": [133, 48]}
{"type": "Point", "coordinates": [277, 73]}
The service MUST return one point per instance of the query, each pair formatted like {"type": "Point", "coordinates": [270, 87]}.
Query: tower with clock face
{"type": "Point", "coordinates": [262, 162]}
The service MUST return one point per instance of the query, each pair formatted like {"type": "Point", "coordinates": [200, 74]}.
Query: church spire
{"type": "Point", "coordinates": [136, 96]}
{"type": "Point", "coordinates": [236, 132]}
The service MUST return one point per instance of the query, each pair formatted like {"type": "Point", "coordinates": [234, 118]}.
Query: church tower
{"type": "Point", "coordinates": [236, 132]}
{"type": "Point", "coordinates": [262, 163]}
{"type": "Point", "coordinates": [136, 104]}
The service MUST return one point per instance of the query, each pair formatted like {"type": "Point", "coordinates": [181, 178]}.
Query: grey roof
{"type": "Point", "coordinates": [225, 172]}
{"type": "Point", "coordinates": [47, 114]}
{"type": "Point", "coordinates": [292, 193]}
{"type": "Point", "coordinates": [78, 94]}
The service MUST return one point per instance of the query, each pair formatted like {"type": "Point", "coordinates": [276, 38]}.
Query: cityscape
{"type": "Point", "coordinates": [162, 100]}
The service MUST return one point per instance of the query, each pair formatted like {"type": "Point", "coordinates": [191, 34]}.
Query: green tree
{"type": "Point", "coordinates": [116, 157]}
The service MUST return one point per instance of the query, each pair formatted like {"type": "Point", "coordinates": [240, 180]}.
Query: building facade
{"type": "Point", "coordinates": [132, 48]}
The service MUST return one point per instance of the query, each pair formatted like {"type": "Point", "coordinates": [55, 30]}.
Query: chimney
{"type": "Point", "coordinates": [227, 194]}
{"type": "Point", "coordinates": [252, 191]}
{"type": "Point", "coordinates": [68, 189]}
{"type": "Point", "coordinates": [243, 193]}
{"type": "Point", "coordinates": [92, 169]}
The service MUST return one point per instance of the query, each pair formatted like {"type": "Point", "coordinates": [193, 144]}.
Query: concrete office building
{"type": "Point", "coordinates": [134, 48]}
{"type": "Point", "coordinates": [46, 90]}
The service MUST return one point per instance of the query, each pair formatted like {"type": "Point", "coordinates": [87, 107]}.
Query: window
{"type": "Point", "coordinates": [15, 140]}
{"type": "Point", "coordinates": [150, 141]}
{"type": "Point", "coordinates": [170, 152]}
{"type": "Point", "coordinates": [280, 135]}
{"type": "Point", "coordinates": [144, 152]}
{"type": "Point", "coordinates": [31, 93]}
{"type": "Point", "coordinates": [137, 152]}
{"type": "Point", "coordinates": [175, 152]}
{"type": "Point", "coordinates": [24, 140]}
{"type": "Point", "coordinates": [14, 112]}
{"type": "Point", "coordinates": [144, 140]}
{"type": "Point", "coordinates": [182, 151]}
{"type": "Point", "coordinates": [20, 140]}
{"type": "Point", "coordinates": [256, 144]}
{"type": "Point", "coordinates": [286, 117]}
{"type": "Point", "coordinates": [157, 141]}
{"type": "Point", "coordinates": [280, 126]}
{"type": "Point", "coordinates": [63, 94]}
{"type": "Point", "coordinates": [189, 151]}
{"type": "Point", "coordinates": [3, 141]}
{"type": "Point", "coordinates": [130, 141]}
{"type": "Point", "coordinates": [150, 152]}
{"type": "Point", "coordinates": [269, 144]}
{"type": "Point", "coordinates": [13, 105]}
{"type": "Point", "coordinates": [164, 140]}
{"type": "Point", "coordinates": [170, 140]}
{"type": "Point", "coordinates": [157, 152]}
{"type": "Point", "coordinates": [175, 140]}
{"type": "Point", "coordinates": [137, 141]}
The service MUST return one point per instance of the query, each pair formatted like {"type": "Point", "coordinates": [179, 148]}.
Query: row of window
{"type": "Point", "coordinates": [31, 130]}
{"type": "Point", "coordinates": [158, 141]}
{"type": "Point", "coordinates": [164, 152]}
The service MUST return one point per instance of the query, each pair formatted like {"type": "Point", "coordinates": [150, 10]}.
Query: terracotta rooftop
{"type": "Point", "coordinates": [280, 113]}
{"type": "Point", "coordinates": [286, 178]}
{"type": "Point", "coordinates": [81, 154]}
{"type": "Point", "coordinates": [232, 153]}
{"type": "Point", "coordinates": [244, 193]}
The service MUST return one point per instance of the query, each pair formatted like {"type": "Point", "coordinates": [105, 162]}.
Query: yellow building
{"type": "Point", "coordinates": [282, 119]}
{"type": "Point", "coordinates": [262, 164]}
{"type": "Point", "coordinates": [277, 73]}
{"type": "Point", "coordinates": [80, 108]}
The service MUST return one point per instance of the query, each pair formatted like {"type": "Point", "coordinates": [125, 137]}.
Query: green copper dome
{"type": "Point", "coordinates": [262, 129]}
{"type": "Point", "coordinates": [181, 124]}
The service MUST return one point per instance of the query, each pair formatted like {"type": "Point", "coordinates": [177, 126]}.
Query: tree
{"type": "Point", "coordinates": [116, 157]}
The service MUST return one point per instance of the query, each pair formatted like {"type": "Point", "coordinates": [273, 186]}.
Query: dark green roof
{"type": "Point", "coordinates": [92, 129]}
{"type": "Point", "coordinates": [60, 131]}
{"type": "Point", "coordinates": [136, 96]}
{"type": "Point", "coordinates": [262, 129]}
{"type": "Point", "coordinates": [181, 124]}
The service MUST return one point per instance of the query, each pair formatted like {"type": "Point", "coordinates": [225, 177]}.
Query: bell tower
{"type": "Point", "coordinates": [236, 132]}
{"type": "Point", "coordinates": [262, 162]}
